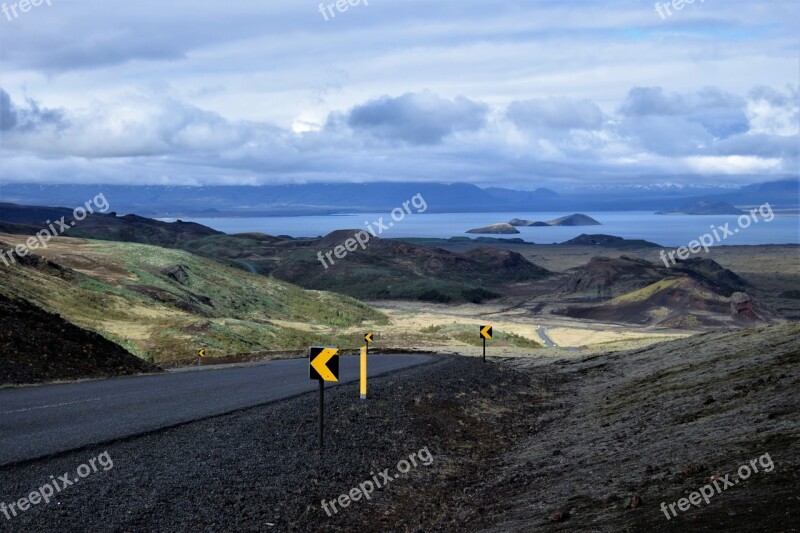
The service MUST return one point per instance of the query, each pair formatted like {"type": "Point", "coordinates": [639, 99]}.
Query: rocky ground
{"type": "Point", "coordinates": [37, 346]}
{"type": "Point", "coordinates": [623, 432]}
{"type": "Point", "coordinates": [594, 444]}
{"type": "Point", "coordinates": [261, 470]}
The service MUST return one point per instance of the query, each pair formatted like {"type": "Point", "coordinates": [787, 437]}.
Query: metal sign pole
{"type": "Point", "coordinates": [321, 415]}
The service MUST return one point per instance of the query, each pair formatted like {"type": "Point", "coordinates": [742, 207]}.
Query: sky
{"type": "Point", "coordinates": [510, 93]}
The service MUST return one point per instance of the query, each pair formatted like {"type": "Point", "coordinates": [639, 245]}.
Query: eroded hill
{"type": "Point", "coordinates": [694, 293]}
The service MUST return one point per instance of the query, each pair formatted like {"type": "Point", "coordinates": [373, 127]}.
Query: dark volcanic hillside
{"type": "Point", "coordinates": [37, 346]}
{"type": "Point", "coordinates": [696, 292]}
{"type": "Point", "coordinates": [608, 277]}
{"type": "Point", "coordinates": [604, 276]}
{"type": "Point", "coordinates": [599, 239]}
{"type": "Point", "coordinates": [385, 269]}
{"type": "Point", "coordinates": [17, 219]}
{"type": "Point", "coordinates": [391, 269]}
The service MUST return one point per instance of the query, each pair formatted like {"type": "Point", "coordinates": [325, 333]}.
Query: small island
{"type": "Point", "coordinates": [520, 222]}
{"type": "Point", "coordinates": [511, 227]}
{"type": "Point", "coordinates": [496, 229]}
{"type": "Point", "coordinates": [569, 220]}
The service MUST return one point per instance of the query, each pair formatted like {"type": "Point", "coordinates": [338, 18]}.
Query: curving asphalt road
{"type": "Point", "coordinates": [40, 421]}
{"type": "Point", "coordinates": [542, 332]}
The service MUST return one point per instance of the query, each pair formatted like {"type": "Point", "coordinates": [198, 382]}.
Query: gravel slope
{"type": "Point", "coordinates": [626, 431]}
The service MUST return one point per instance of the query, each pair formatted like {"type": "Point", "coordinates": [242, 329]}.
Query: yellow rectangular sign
{"type": "Point", "coordinates": [323, 363]}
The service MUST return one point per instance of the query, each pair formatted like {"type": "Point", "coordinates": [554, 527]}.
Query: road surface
{"type": "Point", "coordinates": [39, 421]}
{"type": "Point", "coordinates": [542, 332]}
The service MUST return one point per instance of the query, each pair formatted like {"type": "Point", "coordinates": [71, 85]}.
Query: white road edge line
{"type": "Point", "coordinates": [49, 406]}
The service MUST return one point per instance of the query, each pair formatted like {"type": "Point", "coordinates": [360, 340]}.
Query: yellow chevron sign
{"type": "Point", "coordinates": [323, 363]}
{"type": "Point", "coordinates": [486, 332]}
{"type": "Point", "coordinates": [202, 353]}
{"type": "Point", "coordinates": [368, 337]}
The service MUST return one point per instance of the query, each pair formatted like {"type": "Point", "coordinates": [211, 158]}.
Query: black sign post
{"type": "Point", "coordinates": [321, 415]}
{"type": "Point", "coordinates": [486, 333]}
{"type": "Point", "coordinates": [323, 365]}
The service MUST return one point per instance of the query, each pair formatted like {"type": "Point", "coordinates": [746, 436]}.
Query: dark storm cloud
{"type": "Point", "coordinates": [28, 118]}
{"type": "Point", "coordinates": [417, 118]}
{"type": "Point", "coordinates": [711, 122]}
{"type": "Point", "coordinates": [720, 113]}
{"type": "Point", "coordinates": [777, 98]}
{"type": "Point", "coordinates": [556, 113]}
{"type": "Point", "coordinates": [666, 135]}
{"type": "Point", "coordinates": [785, 147]}
{"type": "Point", "coordinates": [70, 36]}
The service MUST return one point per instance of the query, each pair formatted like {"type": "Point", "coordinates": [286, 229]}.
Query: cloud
{"type": "Point", "coordinates": [775, 112]}
{"type": "Point", "coordinates": [26, 119]}
{"type": "Point", "coordinates": [721, 114]}
{"type": "Point", "coordinates": [664, 135]}
{"type": "Point", "coordinates": [557, 113]}
{"type": "Point", "coordinates": [134, 126]}
{"type": "Point", "coordinates": [157, 137]}
{"type": "Point", "coordinates": [8, 117]}
{"type": "Point", "coordinates": [417, 118]}
{"type": "Point", "coordinates": [785, 147]}
{"type": "Point", "coordinates": [715, 131]}
{"type": "Point", "coordinates": [254, 91]}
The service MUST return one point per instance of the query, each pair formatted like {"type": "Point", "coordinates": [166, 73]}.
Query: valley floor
{"type": "Point", "coordinates": [449, 328]}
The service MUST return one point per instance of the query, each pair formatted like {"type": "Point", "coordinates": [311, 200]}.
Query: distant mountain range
{"type": "Point", "coordinates": [338, 198]}
{"type": "Point", "coordinates": [704, 208]}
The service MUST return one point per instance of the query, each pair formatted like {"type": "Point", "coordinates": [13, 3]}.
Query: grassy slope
{"type": "Point", "coordinates": [124, 292]}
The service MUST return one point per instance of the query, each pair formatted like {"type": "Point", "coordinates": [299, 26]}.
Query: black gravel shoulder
{"type": "Point", "coordinates": [261, 469]}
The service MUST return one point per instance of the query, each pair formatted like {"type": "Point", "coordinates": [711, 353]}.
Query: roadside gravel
{"type": "Point", "coordinates": [260, 469]}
